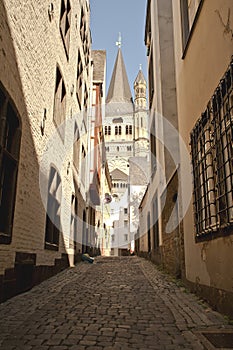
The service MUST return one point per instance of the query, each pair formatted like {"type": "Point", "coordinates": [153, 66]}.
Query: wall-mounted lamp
{"type": "Point", "coordinates": [42, 124]}
{"type": "Point", "coordinates": [51, 11]}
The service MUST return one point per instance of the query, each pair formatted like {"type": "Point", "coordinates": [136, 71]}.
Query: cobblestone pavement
{"type": "Point", "coordinates": [115, 303]}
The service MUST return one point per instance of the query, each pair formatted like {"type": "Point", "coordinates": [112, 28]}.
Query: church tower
{"type": "Point", "coordinates": [119, 126]}
{"type": "Point", "coordinates": [141, 116]}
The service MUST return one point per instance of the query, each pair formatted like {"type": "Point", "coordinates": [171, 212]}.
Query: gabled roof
{"type": "Point", "coordinates": [117, 174]}
{"type": "Point", "coordinates": [119, 89]}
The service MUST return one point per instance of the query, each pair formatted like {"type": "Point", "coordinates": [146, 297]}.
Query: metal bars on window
{"type": "Point", "coordinates": [212, 160]}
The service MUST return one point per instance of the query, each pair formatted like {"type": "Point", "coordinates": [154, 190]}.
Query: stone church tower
{"type": "Point", "coordinates": [125, 125]}
{"type": "Point", "coordinates": [127, 148]}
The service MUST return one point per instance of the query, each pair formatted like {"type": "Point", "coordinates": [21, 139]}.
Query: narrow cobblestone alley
{"type": "Point", "coordinates": [115, 303]}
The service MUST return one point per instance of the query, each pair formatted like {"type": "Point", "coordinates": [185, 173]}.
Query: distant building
{"type": "Point", "coordinates": [126, 136]}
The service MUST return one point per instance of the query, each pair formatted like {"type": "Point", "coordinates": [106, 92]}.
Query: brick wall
{"type": "Point", "coordinates": [31, 48]}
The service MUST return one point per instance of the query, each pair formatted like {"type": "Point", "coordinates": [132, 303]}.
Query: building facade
{"type": "Point", "coordinates": [44, 90]}
{"type": "Point", "coordinates": [159, 206]}
{"type": "Point", "coordinates": [204, 79]}
{"type": "Point", "coordinates": [190, 83]}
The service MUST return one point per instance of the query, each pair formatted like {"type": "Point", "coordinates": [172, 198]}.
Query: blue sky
{"type": "Point", "coordinates": [108, 18]}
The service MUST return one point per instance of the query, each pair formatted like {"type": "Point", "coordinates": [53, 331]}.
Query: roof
{"type": "Point", "coordinates": [117, 174]}
{"type": "Point", "coordinates": [119, 89]}
{"type": "Point", "coordinates": [140, 78]}
{"type": "Point", "coordinates": [99, 63]}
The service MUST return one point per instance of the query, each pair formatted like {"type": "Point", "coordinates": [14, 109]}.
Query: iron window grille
{"type": "Point", "coordinates": [212, 161]}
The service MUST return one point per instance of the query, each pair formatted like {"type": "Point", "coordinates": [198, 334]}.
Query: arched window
{"type": "Point", "coordinates": [53, 218]}
{"type": "Point", "coordinates": [10, 137]}
{"type": "Point", "coordinates": [116, 130]}
{"type": "Point", "coordinates": [120, 130]}
{"type": "Point", "coordinates": [109, 130]}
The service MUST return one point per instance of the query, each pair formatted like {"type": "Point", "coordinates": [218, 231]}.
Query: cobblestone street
{"type": "Point", "coordinates": [115, 303]}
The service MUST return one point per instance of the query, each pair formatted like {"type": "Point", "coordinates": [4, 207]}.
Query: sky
{"type": "Point", "coordinates": [108, 18]}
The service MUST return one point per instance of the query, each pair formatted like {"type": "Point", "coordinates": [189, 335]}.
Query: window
{"type": "Point", "coordinates": [125, 210]}
{"type": "Point", "coordinates": [151, 78]}
{"type": "Point", "coordinates": [126, 237]}
{"type": "Point", "coordinates": [130, 129]}
{"type": "Point", "coordinates": [127, 129]}
{"type": "Point", "coordinates": [107, 149]}
{"type": "Point", "coordinates": [76, 147]}
{"type": "Point", "coordinates": [85, 97]}
{"type": "Point", "coordinates": [212, 160]}
{"type": "Point", "coordinates": [118, 149]}
{"type": "Point", "coordinates": [53, 222]}
{"type": "Point", "coordinates": [10, 137]}
{"type": "Point", "coordinates": [190, 10]}
{"type": "Point", "coordinates": [125, 223]}
{"type": "Point", "coordinates": [119, 130]}
{"type": "Point", "coordinates": [83, 165]}
{"type": "Point", "coordinates": [153, 147]}
{"type": "Point", "coordinates": [113, 238]}
{"type": "Point", "coordinates": [107, 130]}
{"type": "Point", "coordinates": [79, 83]}
{"type": "Point", "coordinates": [116, 130]}
{"type": "Point", "coordinates": [129, 148]}
{"type": "Point", "coordinates": [65, 22]}
{"type": "Point", "coordinates": [59, 111]}
{"type": "Point", "coordinates": [74, 222]}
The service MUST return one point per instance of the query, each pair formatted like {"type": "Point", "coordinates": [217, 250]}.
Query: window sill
{"type": "Point", "coordinates": [51, 246]}
{"type": "Point", "coordinates": [221, 232]}
{"type": "Point", "coordinates": [5, 239]}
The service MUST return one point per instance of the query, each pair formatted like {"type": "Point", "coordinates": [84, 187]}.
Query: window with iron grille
{"type": "Point", "coordinates": [10, 137]}
{"type": "Point", "coordinates": [212, 160]}
{"type": "Point", "coordinates": [53, 221]}
{"type": "Point", "coordinates": [65, 22]}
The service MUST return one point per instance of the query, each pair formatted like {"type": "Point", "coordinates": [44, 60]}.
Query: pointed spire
{"type": "Point", "coordinates": [119, 89]}
{"type": "Point", "coordinates": [140, 77]}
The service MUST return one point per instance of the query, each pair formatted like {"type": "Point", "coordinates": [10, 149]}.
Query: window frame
{"type": "Point", "coordinates": [212, 163]}
{"type": "Point", "coordinates": [9, 152]}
